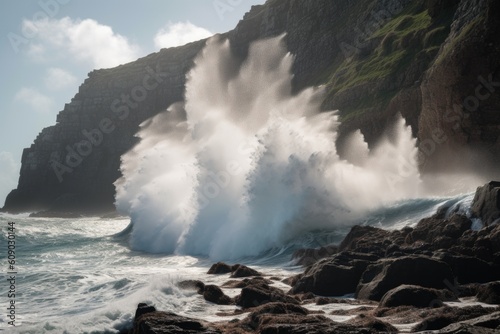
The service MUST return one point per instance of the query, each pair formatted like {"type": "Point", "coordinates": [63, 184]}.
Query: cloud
{"type": "Point", "coordinates": [34, 99]}
{"type": "Point", "coordinates": [180, 33]}
{"type": "Point", "coordinates": [9, 174]}
{"type": "Point", "coordinates": [84, 40]}
{"type": "Point", "coordinates": [57, 79]}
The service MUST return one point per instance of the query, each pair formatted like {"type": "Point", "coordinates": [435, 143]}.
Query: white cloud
{"type": "Point", "coordinates": [84, 40]}
{"type": "Point", "coordinates": [9, 174]}
{"type": "Point", "coordinates": [34, 99]}
{"type": "Point", "coordinates": [57, 79]}
{"type": "Point", "coordinates": [180, 33]}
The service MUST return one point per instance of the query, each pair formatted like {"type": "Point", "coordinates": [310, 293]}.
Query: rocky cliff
{"type": "Point", "coordinates": [377, 58]}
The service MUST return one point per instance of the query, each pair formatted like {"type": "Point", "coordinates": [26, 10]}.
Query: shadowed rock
{"type": "Point", "coordinates": [412, 295]}
{"type": "Point", "coordinates": [489, 293]}
{"type": "Point", "coordinates": [486, 203]}
{"type": "Point", "coordinates": [386, 274]}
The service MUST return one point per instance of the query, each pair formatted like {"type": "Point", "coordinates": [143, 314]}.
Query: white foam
{"type": "Point", "coordinates": [253, 166]}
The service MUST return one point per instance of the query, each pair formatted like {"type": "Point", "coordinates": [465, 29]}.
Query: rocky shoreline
{"type": "Point", "coordinates": [440, 276]}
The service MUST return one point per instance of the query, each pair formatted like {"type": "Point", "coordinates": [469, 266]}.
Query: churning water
{"type": "Point", "coordinates": [244, 170]}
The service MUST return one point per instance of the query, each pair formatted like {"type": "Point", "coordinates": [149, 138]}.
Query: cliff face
{"type": "Point", "coordinates": [376, 58]}
{"type": "Point", "coordinates": [461, 91]}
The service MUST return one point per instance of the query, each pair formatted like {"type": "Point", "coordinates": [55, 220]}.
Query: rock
{"type": "Point", "coordinates": [365, 239]}
{"type": "Point", "coordinates": [239, 270]}
{"type": "Point", "coordinates": [278, 318]}
{"type": "Point", "coordinates": [239, 284]}
{"type": "Point", "coordinates": [150, 321]}
{"type": "Point", "coordinates": [468, 269]}
{"type": "Point", "coordinates": [219, 268]}
{"type": "Point", "coordinates": [486, 203]}
{"type": "Point", "coordinates": [334, 276]}
{"type": "Point", "coordinates": [372, 324]}
{"type": "Point", "coordinates": [143, 308]}
{"type": "Point", "coordinates": [309, 256]}
{"type": "Point", "coordinates": [490, 321]}
{"type": "Point", "coordinates": [199, 286]}
{"type": "Point", "coordinates": [444, 316]}
{"type": "Point", "coordinates": [261, 293]}
{"type": "Point", "coordinates": [214, 294]}
{"type": "Point", "coordinates": [388, 274]}
{"type": "Point", "coordinates": [411, 295]}
{"type": "Point", "coordinates": [439, 232]}
{"type": "Point", "coordinates": [489, 293]}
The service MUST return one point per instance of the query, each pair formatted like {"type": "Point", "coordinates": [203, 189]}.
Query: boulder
{"type": "Point", "coordinates": [261, 293]}
{"type": "Point", "coordinates": [199, 286]}
{"type": "Point", "coordinates": [468, 269]}
{"type": "Point", "coordinates": [214, 294]}
{"type": "Point", "coordinates": [445, 316]}
{"type": "Point", "coordinates": [411, 295]}
{"type": "Point", "coordinates": [372, 325]}
{"type": "Point", "coordinates": [489, 293]}
{"type": "Point", "coordinates": [309, 256]}
{"type": "Point", "coordinates": [366, 239]}
{"type": "Point", "coordinates": [150, 321]}
{"type": "Point", "coordinates": [439, 232]}
{"type": "Point", "coordinates": [334, 276]}
{"type": "Point", "coordinates": [143, 308]}
{"type": "Point", "coordinates": [219, 268]}
{"type": "Point", "coordinates": [387, 274]}
{"type": "Point", "coordinates": [239, 270]}
{"type": "Point", "coordinates": [486, 202]}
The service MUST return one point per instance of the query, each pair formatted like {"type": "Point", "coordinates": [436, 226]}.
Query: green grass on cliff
{"type": "Point", "coordinates": [410, 36]}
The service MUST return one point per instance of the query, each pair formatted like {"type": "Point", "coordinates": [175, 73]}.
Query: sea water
{"type": "Point", "coordinates": [82, 276]}
{"type": "Point", "coordinates": [244, 171]}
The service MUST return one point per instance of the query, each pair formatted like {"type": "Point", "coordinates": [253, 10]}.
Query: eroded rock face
{"type": "Point", "coordinates": [460, 93]}
{"type": "Point", "coordinates": [486, 203]}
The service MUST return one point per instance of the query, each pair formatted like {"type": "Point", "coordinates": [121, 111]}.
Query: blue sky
{"type": "Point", "coordinates": [49, 46]}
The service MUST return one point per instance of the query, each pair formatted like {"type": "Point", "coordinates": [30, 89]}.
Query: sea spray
{"type": "Point", "coordinates": [245, 165]}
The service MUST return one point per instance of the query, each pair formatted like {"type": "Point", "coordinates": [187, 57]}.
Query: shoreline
{"type": "Point", "coordinates": [438, 277]}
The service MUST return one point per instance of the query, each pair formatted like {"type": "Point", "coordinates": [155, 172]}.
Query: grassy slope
{"type": "Point", "coordinates": [402, 40]}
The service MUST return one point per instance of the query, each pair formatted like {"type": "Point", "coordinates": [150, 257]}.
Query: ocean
{"type": "Point", "coordinates": [82, 275]}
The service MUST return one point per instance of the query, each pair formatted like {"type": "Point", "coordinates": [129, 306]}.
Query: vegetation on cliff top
{"type": "Point", "coordinates": [384, 62]}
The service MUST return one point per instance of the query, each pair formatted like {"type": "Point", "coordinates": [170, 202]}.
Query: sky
{"type": "Point", "coordinates": [49, 46]}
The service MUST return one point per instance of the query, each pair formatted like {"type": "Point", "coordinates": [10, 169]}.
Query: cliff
{"type": "Point", "coordinates": [376, 58]}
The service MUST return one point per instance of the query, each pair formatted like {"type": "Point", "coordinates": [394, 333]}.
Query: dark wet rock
{"type": "Point", "coordinates": [214, 294]}
{"type": "Point", "coordinates": [199, 286]}
{"type": "Point", "coordinates": [309, 256]}
{"type": "Point", "coordinates": [143, 308]}
{"type": "Point", "coordinates": [239, 284]}
{"type": "Point", "coordinates": [372, 324]}
{"type": "Point", "coordinates": [150, 321]}
{"type": "Point", "coordinates": [444, 316]}
{"type": "Point", "coordinates": [486, 322]}
{"type": "Point", "coordinates": [366, 239]}
{"type": "Point", "coordinates": [278, 318]}
{"type": "Point", "coordinates": [219, 268]}
{"type": "Point", "coordinates": [334, 276]}
{"type": "Point", "coordinates": [292, 280]}
{"type": "Point", "coordinates": [259, 294]}
{"type": "Point", "coordinates": [489, 293]}
{"type": "Point", "coordinates": [486, 203]}
{"type": "Point", "coordinates": [239, 270]}
{"type": "Point", "coordinates": [388, 274]}
{"type": "Point", "coordinates": [438, 232]}
{"type": "Point", "coordinates": [468, 269]}
{"type": "Point", "coordinates": [412, 295]}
